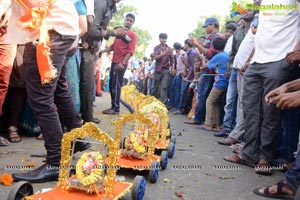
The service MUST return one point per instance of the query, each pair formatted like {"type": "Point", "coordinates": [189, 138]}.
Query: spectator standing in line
{"type": "Point", "coordinates": [163, 55]}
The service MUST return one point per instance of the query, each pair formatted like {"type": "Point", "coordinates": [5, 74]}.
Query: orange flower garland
{"type": "Point", "coordinates": [6, 179]}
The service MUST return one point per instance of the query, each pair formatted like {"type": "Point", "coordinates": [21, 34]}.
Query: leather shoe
{"type": "Point", "coordinates": [81, 146]}
{"type": "Point", "coordinates": [42, 174]}
{"type": "Point", "coordinates": [110, 111]}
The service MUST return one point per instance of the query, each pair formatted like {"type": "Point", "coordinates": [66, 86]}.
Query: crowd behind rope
{"type": "Point", "coordinates": [243, 84]}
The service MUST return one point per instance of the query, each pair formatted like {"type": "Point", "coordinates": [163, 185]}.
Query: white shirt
{"type": "Point", "coordinates": [228, 45]}
{"type": "Point", "coordinates": [244, 50]}
{"type": "Point", "coordinates": [89, 7]}
{"type": "Point", "coordinates": [62, 17]}
{"type": "Point", "coordinates": [276, 35]}
{"type": "Point", "coordinates": [180, 65]}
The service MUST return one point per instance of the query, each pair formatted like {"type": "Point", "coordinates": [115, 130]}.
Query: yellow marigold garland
{"type": "Point", "coordinates": [89, 168]}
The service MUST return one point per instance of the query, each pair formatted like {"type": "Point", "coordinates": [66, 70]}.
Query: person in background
{"type": "Point", "coordinates": [163, 55]}
{"type": "Point", "coordinates": [7, 56]}
{"type": "Point", "coordinates": [219, 64]}
{"type": "Point", "coordinates": [123, 48]}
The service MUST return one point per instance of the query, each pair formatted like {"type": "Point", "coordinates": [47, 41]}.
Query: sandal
{"type": "Point", "coordinates": [237, 159]}
{"type": "Point", "coordinates": [14, 136]}
{"type": "Point", "coordinates": [40, 137]}
{"type": "Point", "coordinates": [279, 192]}
{"type": "Point", "coordinates": [227, 141]}
{"type": "Point", "coordinates": [263, 167]}
{"type": "Point", "coordinates": [3, 142]}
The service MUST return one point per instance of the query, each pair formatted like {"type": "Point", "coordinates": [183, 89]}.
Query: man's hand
{"type": "Point", "coordinates": [272, 96]}
{"type": "Point", "coordinates": [293, 57]}
{"type": "Point", "coordinates": [244, 67]}
{"type": "Point", "coordinates": [120, 67]}
{"type": "Point", "coordinates": [120, 32]}
{"type": "Point", "coordinates": [287, 100]}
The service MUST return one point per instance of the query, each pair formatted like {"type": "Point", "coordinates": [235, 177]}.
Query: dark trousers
{"type": "Point", "coordinates": [14, 105]}
{"type": "Point", "coordinates": [87, 85]}
{"type": "Point", "coordinates": [115, 84]}
{"type": "Point", "coordinates": [262, 121]}
{"type": "Point", "coordinates": [46, 99]}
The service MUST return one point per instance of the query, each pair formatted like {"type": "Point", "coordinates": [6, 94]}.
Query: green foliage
{"type": "Point", "coordinates": [199, 31]}
{"type": "Point", "coordinates": [143, 36]}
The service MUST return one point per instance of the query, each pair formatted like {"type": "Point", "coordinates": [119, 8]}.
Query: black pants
{"type": "Point", "coordinates": [115, 84]}
{"type": "Point", "coordinates": [46, 99]}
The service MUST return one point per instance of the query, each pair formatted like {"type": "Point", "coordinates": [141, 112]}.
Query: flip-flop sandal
{"type": "Point", "coordinates": [238, 160]}
{"type": "Point", "coordinates": [278, 195]}
{"type": "Point", "coordinates": [192, 122]}
{"type": "Point", "coordinates": [208, 129]}
{"type": "Point", "coordinates": [14, 136]}
{"type": "Point", "coordinates": [3, 142]}
{"type": "Point", "coordinates": [40, 137]}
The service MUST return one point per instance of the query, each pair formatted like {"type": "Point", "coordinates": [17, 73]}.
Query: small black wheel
{"type": "Point", "coordinates": [164, 159]}
{"type": "Point", "coordinates": [173, 139]}
{"type": "Point", "coordinates": [20, 190]}
{"type": "Point", "coordinates": [153, 172]}
{"type": "Point", "coordinates": [171, 149]}
{"type": "Point", "coordinates": [138, 188]}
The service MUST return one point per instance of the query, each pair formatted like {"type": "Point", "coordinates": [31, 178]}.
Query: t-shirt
{"type": "Point", "coordinates": [219, 63]}
{"type": "Point", "coordinates": [80, 7]}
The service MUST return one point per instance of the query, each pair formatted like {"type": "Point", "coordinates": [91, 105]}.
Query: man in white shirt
{"type": "Point", "coordinates": [45, 96]}
{"type": "Point", "coordinates": [277, 34]}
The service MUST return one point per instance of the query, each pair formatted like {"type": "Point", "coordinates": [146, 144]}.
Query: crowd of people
{"type": "Point", "coordinates": [243, 84]}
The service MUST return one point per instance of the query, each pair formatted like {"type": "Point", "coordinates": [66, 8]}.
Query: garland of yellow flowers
{"type": "Point", "coordinates": [134, 141]}
{"type": "Point", "coordinates": [95, 174]}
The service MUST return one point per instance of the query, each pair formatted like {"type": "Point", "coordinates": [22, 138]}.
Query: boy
{"type": "Point", "coordinates": [219, 63]}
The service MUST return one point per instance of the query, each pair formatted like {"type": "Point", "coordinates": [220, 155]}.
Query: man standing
{"type": "Point", "coordinates": [7, 56]}
{"type": "Point", "coordinates": [123, 48]}
{"type": "Point", "coordinates": [163, 55]}
{"type": "Point", "coordinates": [103, 11]}
{"type": "Point", "coordinates": [205, 82]}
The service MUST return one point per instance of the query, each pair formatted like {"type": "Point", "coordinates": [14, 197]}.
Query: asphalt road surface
{"type": "Point", "coordinates": [197, 170]}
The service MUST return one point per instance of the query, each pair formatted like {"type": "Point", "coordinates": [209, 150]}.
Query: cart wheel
{"type": "Point", "coordinates": [20, 190]}
{"type": "Point", "coordinates": [173, 139]}
{"type": "Point", "coordinates": [164, 159]}
{"type": "Point", "coordinates": [171, 149]}
{"type": "Point", "coordinates": [153, 172]}
{"type": "Point", "coordinates": [138, 188]}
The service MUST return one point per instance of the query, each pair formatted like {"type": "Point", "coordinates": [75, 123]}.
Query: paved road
{"type": "Point", "coordinates": [197, 170]}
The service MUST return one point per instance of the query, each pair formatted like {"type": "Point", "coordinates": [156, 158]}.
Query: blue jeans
{"type": "Point", "coordinates": [203, 89]}
{"type": "Point", "coordinates": [231, 102]}
{"type": "Point", "coordinates": [184, 86]}
{"type": "Point", "coordinates": [174, 92]}
{"type": "Point", "coordinates": [292, 175]}
{"type": "Point", "coordinates": [290, 134]}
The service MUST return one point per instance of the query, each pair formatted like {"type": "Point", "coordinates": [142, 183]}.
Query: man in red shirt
{"type": "Point", "coordinates": [123, 48]}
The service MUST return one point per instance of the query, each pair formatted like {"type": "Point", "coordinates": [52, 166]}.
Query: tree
{"type": "Point", "coordinates": [199, 31]}
{"type": "Point", "coordinates": [143, 36]}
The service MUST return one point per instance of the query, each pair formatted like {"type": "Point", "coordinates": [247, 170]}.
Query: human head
{"type": "Point", "coordinates": [211, 24]}
{"type": "Point", "coordinates": [177, 46]}
{"type": "Point", "coordinates": [163, 38]}
{"type": "Point", "coordinates": [187, 45]}
{"type": "Point", "coordinates": [229, 30]}
{"type": "Point", "coordinates": [202, 39]}
{"type": "Point", "coordinates": [129, 20]}
{"type": "Point", "coordinates": [219, 43]}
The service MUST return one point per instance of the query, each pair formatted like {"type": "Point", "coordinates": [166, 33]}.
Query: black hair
{"type": "Point", "coordinates": [231, 26]}
{"type": "Point", "coordinates": [230, 22]}
{"type": "Point", "coordinates": [163, 35]}
{"type": "Point", "coordinates": [131, 16]}
{"type": "Point", "coordinates": [187, 42]}
{"type": "Point", "coordinates": [216, 26]}
{"type": "Point", "coordinates": [219, 43]}
{"type": "Point", "coordinates": [202, 37]}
